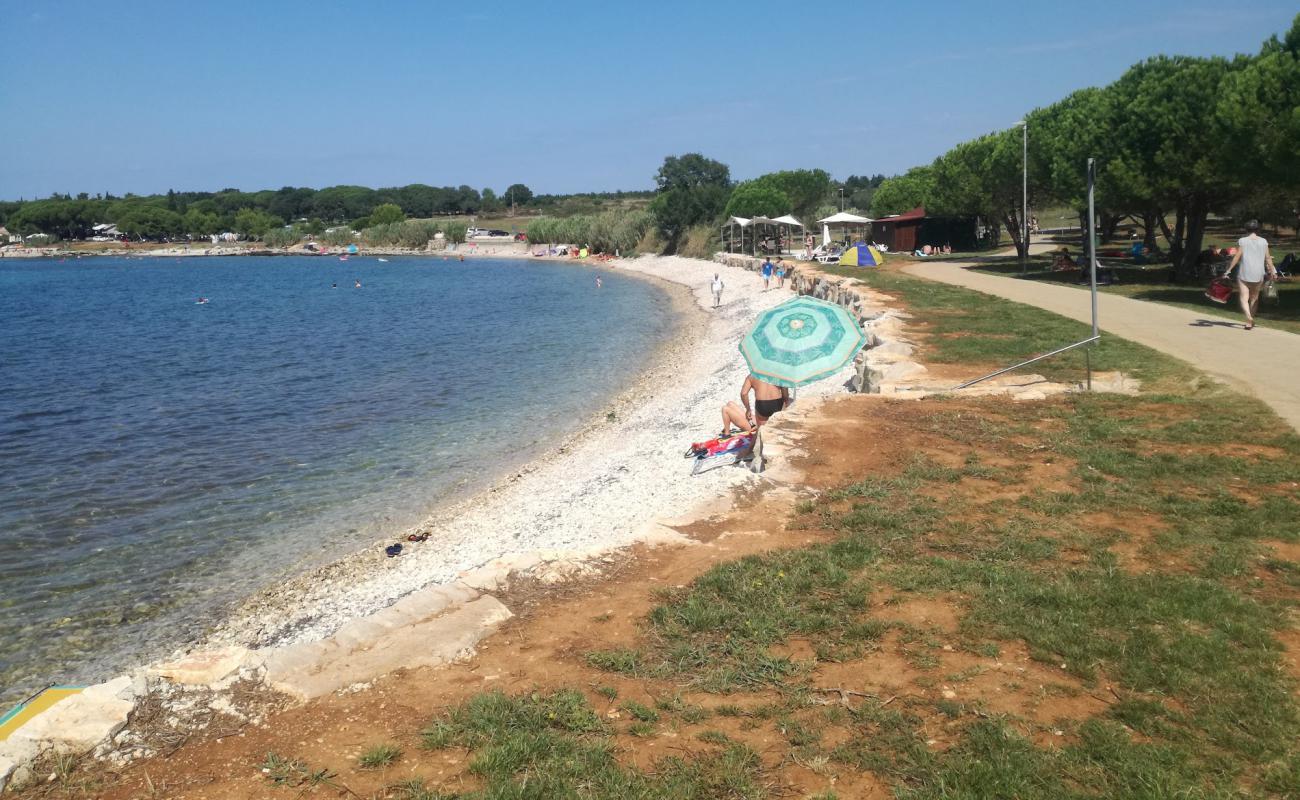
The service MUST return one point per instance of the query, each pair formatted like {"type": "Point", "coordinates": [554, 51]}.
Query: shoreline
{"type": "Point", "coordinates": [245, 624]}
{"type": "Point", "coordinates": [601, 488]}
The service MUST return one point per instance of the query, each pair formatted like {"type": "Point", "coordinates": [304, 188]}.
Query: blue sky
{"type": "Point", "coordinates": [563, 96]}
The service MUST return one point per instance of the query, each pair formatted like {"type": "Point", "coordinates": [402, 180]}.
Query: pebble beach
{"type": "Point", "coordinates": [604, 488]}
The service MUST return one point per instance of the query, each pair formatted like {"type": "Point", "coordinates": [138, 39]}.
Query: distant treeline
{"type": "Point", "coordinates": [252, 214]}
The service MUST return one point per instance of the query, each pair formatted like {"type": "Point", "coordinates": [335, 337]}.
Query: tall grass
{"type": "Point", "coordinates": [411, 233]}
{"type": "Point", "coordinates": [701, 242]}
{"type": "Point", "coordinates": [611, 231]}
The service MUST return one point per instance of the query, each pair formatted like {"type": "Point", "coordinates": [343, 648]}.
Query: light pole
{"type": "Point", "coordinates": [841, 198]}
{"type": "Point", "coordinates": [1024, 196]}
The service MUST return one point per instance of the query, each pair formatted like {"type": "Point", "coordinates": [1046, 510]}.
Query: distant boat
{"type": "Point", "coordinates": [383, 261]}
{"type": "Point", "coordinates": [202, 301]}
{"type": "Point", "coordinates": [343, 258]}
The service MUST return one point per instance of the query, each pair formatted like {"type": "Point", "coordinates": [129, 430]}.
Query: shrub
{"type": "Point", "coordinates": [701, 242]}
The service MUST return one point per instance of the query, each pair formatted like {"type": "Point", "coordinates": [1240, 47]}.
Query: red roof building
{"type": "Point", "coordinates": [900, 232]}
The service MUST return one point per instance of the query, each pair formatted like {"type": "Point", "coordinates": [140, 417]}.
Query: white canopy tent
{"type": "Point", "coordinates": [790, 223]}
{"type": "Point", "coordinates": [843, 218]}
{"type": "Point", "coordinates": [736, 226]}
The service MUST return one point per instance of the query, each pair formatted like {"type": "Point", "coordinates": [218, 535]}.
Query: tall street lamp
{"type": "Point", "coordinates": [1024, 196]}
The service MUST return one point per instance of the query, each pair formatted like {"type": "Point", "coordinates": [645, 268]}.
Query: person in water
{"type": "Point", "coordinates": [768, 400]}
{"type": "Point", "coordinates": [358, 286]}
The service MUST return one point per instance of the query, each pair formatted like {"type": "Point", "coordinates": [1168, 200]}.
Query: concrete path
{"type": "Point", "coordinates": [1263, 362]}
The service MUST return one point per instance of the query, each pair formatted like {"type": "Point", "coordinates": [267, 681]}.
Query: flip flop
{"type": "Point", "coordinates": [393, 549]}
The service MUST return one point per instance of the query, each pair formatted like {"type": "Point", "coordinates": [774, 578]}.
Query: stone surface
{"type": "Point", "coordinates": [305, 673]}
{"type": "Point", "coordinates": [203, 668]}
{"type": "Point", "coordinates": [78, 723]}
{"type": "Point", "coordinates": [7, 767]}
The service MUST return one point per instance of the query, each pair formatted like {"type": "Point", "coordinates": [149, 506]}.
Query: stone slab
{"type": "Point", "coordinates": [82, 721]}
{"type": "Point", "coordinates": [203, 668]}
{"type": "Point", "coordinates": [436, 641]}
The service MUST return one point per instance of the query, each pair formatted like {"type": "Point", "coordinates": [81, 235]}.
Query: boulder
{"type": "Point", "coordinates": [203, 668]}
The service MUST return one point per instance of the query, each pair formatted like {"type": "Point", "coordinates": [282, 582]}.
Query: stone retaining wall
{"type": "Point", "coordinates": [886, 359]}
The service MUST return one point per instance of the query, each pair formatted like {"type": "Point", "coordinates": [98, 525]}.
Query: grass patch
{"type": "Point", "coordinates": [966, 327]}
{"type": "Point", "coordinates": [381, 755]}
{"type": "Point", "coordinates": [294, 773]}
{"type": "Point", "coordinates": [555, 745]}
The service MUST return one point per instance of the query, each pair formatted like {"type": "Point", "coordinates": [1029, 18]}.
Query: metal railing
{"type": "Point", "coordinates": [1035, 360]}
{"type": "Point", "coordinates": [1092, 271]}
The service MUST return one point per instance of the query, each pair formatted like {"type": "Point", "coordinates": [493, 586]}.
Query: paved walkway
{"type": "Point", "coordinates": [1263, 362]}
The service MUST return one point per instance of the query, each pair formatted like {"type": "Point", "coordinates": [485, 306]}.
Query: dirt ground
{"type": "Point", "coordinates": [543, 647]}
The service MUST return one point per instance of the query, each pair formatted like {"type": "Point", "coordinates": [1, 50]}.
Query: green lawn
{"type": "Point", "coordinates": [1152, 283]}
{"type": "Point", "coordinates": [1003, 332]}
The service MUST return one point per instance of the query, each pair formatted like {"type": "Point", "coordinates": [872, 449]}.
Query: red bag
{"type": "Point", "coordinates": [1220, 290]}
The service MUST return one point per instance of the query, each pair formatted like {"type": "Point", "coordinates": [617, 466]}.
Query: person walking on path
{"type": "Point", "coordinates": [767, 273]}
{"type": "Point", "coordinates": [1256, 263]}
{"type": "Point", "coordinates": [716, 287]}
{"type": "Point", "coordinates": [780, 274]}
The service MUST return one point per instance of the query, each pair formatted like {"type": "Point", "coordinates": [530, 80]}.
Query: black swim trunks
{"type": "Point", "coordinates": [766, 408]}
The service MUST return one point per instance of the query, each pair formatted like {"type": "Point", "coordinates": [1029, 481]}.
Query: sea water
{"type": "Point", "coordinates": [161, 457]}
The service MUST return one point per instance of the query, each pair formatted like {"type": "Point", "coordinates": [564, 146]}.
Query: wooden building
{"type": "Point", "coordinates": [901, 232]}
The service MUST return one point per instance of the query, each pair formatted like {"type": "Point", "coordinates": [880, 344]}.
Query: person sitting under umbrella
{"type": "Point", "coordinates": [768, 400]}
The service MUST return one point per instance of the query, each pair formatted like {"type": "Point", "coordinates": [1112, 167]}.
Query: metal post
{"type": "Point", "coordinates": [1092, 239]}
{"type": "Point", "coordinates": [1092, 260]}
{"type": "Point", "coordinates": [1024, 196]}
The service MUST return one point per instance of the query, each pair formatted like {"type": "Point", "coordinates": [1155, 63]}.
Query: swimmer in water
{"type": "Point", "coordinates": [358, 283]}
{"type": "Point", "coordinates": [597, 282]}
{"type": "Point", "coordinates": [334, 286]}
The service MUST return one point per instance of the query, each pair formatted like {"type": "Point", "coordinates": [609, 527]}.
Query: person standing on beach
{"type": "Point", "coordinates": [716, 287]}
{"type": "Point", "coordinates": [1256, 263]}
{"type": "Point", "coordinates": [767, 273]}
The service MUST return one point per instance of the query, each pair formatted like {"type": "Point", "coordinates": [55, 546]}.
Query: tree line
{"type": "Point", "coordinates": [697, 192]}
{"type": "Point", "coordinates": [252, 214]}
{"type": "Point", "coordinates": [1175, 138]}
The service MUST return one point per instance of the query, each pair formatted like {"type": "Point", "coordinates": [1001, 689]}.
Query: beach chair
{"type": "Point", "coordinates": [830, 256]}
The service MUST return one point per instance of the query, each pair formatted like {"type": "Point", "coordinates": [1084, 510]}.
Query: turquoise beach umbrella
{"type": "Point", "coordinates": [801, 341]}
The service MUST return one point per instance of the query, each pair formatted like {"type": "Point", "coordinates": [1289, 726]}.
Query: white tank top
{"type": "Point", "coordinates": [1252, 249]}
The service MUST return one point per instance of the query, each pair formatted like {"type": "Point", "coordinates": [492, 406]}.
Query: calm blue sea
{"type": "Point", "coordinates": [160, 459]}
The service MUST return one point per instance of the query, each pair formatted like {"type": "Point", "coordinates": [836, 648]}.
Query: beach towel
{"type": "Point", "coordinates": [720, 452]}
